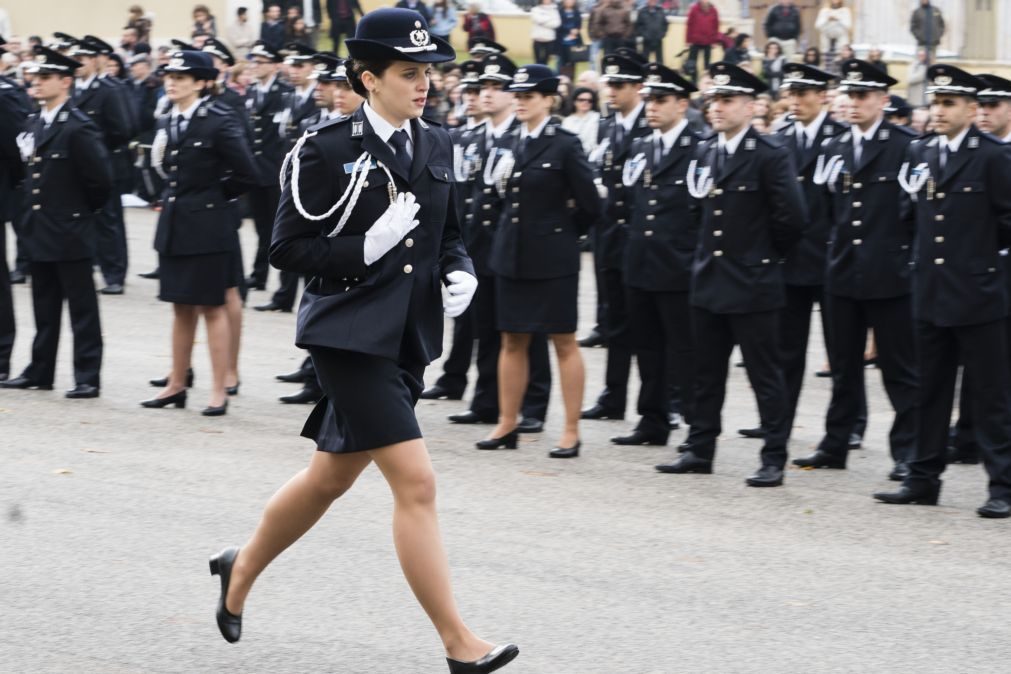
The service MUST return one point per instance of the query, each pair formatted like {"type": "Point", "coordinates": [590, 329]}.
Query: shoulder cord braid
{"type": "Point", "coordinates": [359, 173]}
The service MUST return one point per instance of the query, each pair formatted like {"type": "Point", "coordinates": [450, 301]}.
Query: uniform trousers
{"type": "Point", "coordinates": [461, 351]}
{"type": "Point", "coordinates": [965, 435]}
{"type": "Point", "coordinates": [619, 351]}
{"type": "Point", "coordinates": [892, 321]}
{"type": "Point", "coordinates": [112, 251]}
{"type": "Point", "coordinates": [263, 202]}
{"type": "Point", "coordinates": [983, 350]}
{"type": "Point", "coordinates": [757, 334]}
{"type": "Point", "coordinates": [52, 283]}
{"type": "Point", "coordinates": [489, 342]}
{"type": "Point", "coordinates": [284, 296]}
{"type": "Point", "coordinates": [7, 325]}
{"type": "Point", "coordinates": [661, 329]}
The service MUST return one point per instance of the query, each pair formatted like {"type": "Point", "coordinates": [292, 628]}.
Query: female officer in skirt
{"type": "Point", "coordinates": [535, 253]}
{"type": "Point", "coordinates": [202, 150]}
{"type": "Point", "coordinates": [367, 210]}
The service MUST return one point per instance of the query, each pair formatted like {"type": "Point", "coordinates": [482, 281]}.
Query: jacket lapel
{"type": "Point", "coordinates": [873, 147]}
{"type": "Point", "coordinates": [677, 151]}
{"type": "Point", "coordinates": [957, 161]}
{"type": "Point", "coordinates": [374, 145]}
{"type": "Point", "coordinates": [44, 135]}
{"type": "Point", "coordinates": [422, 147]}
{"type": "Point", "coordinates": [933, 156]}
{"type": "Point", "coordinates": [535, 146]}
{"type": "Point", "coordinates": [741, 157]}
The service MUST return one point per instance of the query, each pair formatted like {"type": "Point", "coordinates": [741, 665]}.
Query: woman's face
{"type": "Point", "coordinates": [181, 87]}
{"type": "Point", "coordinates": [584, 103]}
{"type": "Point", "coordinates": [533, 106]}
{"type": "Point", "coordinates": [402, 90]}
{"type": "Point", "coordinates": [772, 50]}
{"type": "Point", "coordinates": [761, 107]}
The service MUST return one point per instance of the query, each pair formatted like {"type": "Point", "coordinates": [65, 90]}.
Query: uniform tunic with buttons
{"type": "Point", "coordinates": [484, 212]}
{"type": "Point", "coordinates": [609, 242]}
{"type": "Point", "coordinates": [266, 112]}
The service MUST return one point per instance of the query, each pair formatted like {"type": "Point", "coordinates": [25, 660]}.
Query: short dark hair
{"type": "Point", "coordinates": [241, 11]}
{"type": "Point", "coordinates": [579, 91]}
{"type": "Point", "coordinates": [357, 67]}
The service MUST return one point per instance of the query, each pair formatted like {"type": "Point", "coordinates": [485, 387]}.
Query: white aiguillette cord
{"type": "Point", "coordinates": [699, 185]}
{"type": "Point", "coordinates": [827, 173]}
{"type": "Point", "coordinates": [912, 185]}
{"type": "Point", "coordinates": [359, 173]}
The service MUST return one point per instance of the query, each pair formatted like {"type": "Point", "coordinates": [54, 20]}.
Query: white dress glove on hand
{"type": "Point", "coordinates": [459, 293]}
{"type": "Point", "coordinates": [391, 227]}
{"type": "Point", "coordinates": [26, 144]}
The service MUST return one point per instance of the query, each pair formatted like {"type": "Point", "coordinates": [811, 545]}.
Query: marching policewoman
{"type": "Point", "coordinates": [367, 209]}
{"type": "Point", "coordinates": [535, 253]}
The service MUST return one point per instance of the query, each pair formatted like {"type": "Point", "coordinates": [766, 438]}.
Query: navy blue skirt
{"type": "Point", "coordinates": [547, 305]}
{"type": "Point", "coordinates": [369, 401]}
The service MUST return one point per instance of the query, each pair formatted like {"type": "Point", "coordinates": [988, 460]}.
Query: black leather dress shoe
{"type": "Point", "coordinates": [153, 274]}
{"type": "Point", "coordinates": [766, 476]}
{"type": "Point", "coordinates": [638, 437]}
{"type": "Point", "coordinates": [995, 508]}
{"type": "Point", "coordinates": [687, 463]}
{"type": "Point", "coordinates": [592, 340]}
{"type": "Point", "coordinates": [600, 413]}
{"type": "Point", "coordinates": [163, 382]}
{"type": "Point", "coordinates": [81, 391]}
{"type": "Point", "coordinates": [821, 459]}
{"type": "Point", "coordinates": [296, 377]}
{"type": "Point", "coordinates": [440, 393]}
{"type": "Point", "coordinates": [497, 658]}
{"type": "Point", "coordinates": [25, 383]}
{"type": "Point", "coordinates": [112, 289]}
{"type": "Point", "coordinates": [899, 473]}
{"type": "Point", "coordinates": [229, 623]}
{"type": "Point", "coordinates": [254, 283]}
{"type": "Point", "coordinates": [470, 417]}
{"type": "Point", "coordinates": [507, 441]}
{"type": "Point", "coordinates": [966, 455]}
{"type": "Point", "coordinates": [823, 373]}
{"type": "Point", "coordinates": [17, 277]}
{"type": "Point", "coordinates": [855, 441]}
{"type": "Point", "coordinates": [530, 425]}
{"type": "Point", "coordinates": [215, 411]}
{"type": "Point", "coordinates": [177, 399]}
{"type": "Point", "coordinates": [272, 306]}
{"type": "Point", "coordinates": [309, 395]}
{"type": "Point", "coordinates": [920, 495]}
{"type": "Point", "coordinates": [754, 433]}
{"type": "Point", "coordinates": [566, 452]}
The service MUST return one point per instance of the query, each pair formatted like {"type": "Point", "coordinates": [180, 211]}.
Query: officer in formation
{"type": "Point", "coordinates": [959, 205]}
{"type": "Point", "coordinates": [67, 183]}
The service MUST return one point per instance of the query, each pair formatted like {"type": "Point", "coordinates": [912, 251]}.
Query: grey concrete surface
{"type": "Point", "coordinates": [593, 566]}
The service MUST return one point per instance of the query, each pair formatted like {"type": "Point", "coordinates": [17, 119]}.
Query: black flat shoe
{"type": "Point", "coordinates": [592, 340]}
{"type": "Point", "coordinates": [566, 452]}
{"type": "Point", "coordinates": [470, 417]}
{"type": "Point", "coordinates": [150, 274]}
{"type": "Point", "coordinates": [753, 433]}
{"type": "Point", "coordinates": [296, 377]}
{"type": "Point", "coordinates": [163, 382]}
{"type": "Point", "coordinates": [966, 455]}
{"type": "Point", "coordinates": [686, 463]}
{"type": "Point", "coordinates": [507, 441]}
{"type": "Point", "coordinates": [177, 399]}
{"type": "Point", "coordinates": [926, 495]}
{"type": "Point", "coordinates": [218, 411]}
{"type": "Point", "coordinates": [25, 383]}
{"type": "Point", "coordinates": [899, 473]}
{"type": "Point", "coordinates": [766, 476]}
{"type": "Point", "coordinates": [440, 393]}
{"type": "Point", "coordinates": [254, 283]}
{"type": "Point", "coordinates": [309, 395]}
{"type": "Point", "coordinates": [497, 658]}
{"type": "Point", "coordinates": [823, 373]}
{"type": "Point", "coordinates": [530, 425]}
{"type": "Point", "coordinates": [233, 390]}
{"type": "Point", "coordinates": [82, 391]}
{"type": "Point", "coordinates": [229, 623]}
{"type": "Point", "coordinates": [273, 306]}
{"type": "Point", "coordinates": [638, 437]}
{"type": "Point", "coordinates": [995, 508]}
{"type": "Point", "coordinates": [599, 413]}
{"type": "Point", "coordinates": [821, 459]}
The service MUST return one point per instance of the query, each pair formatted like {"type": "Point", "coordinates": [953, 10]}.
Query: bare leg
{"type": "Point", "coordinates": [184, 330]}
{"type": "Point", "coordinates": [573, 377]}
{"type": "Point", "coordinates": [513, 374]}
{"type": "Point", "coordinates": [291, 512]}
{"type": "Point", "coordinates": [219, 345]}
{"type": "Point", "coordinates": [233, 307]}
{"type": "Point", "coordinates": [408, 470]}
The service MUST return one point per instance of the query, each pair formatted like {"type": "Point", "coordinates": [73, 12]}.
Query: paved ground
{"type": "Point", "coordinates": [597, 565]}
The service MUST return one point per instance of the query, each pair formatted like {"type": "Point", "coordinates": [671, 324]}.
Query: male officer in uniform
{"type": "Point", "coordinates": [752, 215]}
{"type": "Point", "coordinates": [868, 274]}
{"type": "Point", "coordinates": [299, 105]}
{"type": "Point", "coordinates": [623, 77]}
{"type": "Point", "coordinates": [68, 179]}
{"type": "Point", "coordinates": [658, 256]}
{"type": "Point", "coordinates": [106, 102]}
{"type": "Point", "coordinates": [960, 208]}
{"type": "Point", "coordinates": [265, 102]}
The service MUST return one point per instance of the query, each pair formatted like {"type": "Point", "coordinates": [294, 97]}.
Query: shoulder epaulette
{"type": "Point", "coordinates": [431, 122]}
{"type": "Point", "coordinates": [219, 108]}
{"type": "Point", "coordinates": [770, 140]}
{"type": "Point", "coordinates": [905, 130]}
{"type": "Point", "coordinates": [332, 122]}
{"type": "Point", "coordinates": [80, 115]}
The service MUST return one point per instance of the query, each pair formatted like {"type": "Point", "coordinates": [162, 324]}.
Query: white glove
{"type": "Point", "coordinates": [601, 188]}
{"type": "Point", "coordinates": [26, 144]}
{"type": "Point", "coordinates": [158, 152]}
{"type": "Point", "coordinates": [391, 227]}
{"type": "Point", "coordinates": [459, 293]}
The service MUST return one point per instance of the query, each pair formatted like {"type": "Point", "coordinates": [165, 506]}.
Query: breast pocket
{"type": "Point", "coordinates": [438, 193]}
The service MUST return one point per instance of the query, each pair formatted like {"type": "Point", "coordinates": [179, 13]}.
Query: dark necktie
{"type": "Point", "coordinates": [176, 128]}
{"type": "Point", "coordinates": [398, 141]}
{"type": "Point", "coordinates": [619, 134]}
{"type": "Point", "coordinates": [721, 161]}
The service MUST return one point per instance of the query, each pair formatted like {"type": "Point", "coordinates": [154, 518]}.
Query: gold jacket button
{"type": "Point", "coordinates": [651, 217]}
{"type": "Point", "coordinates": [717, 213]}
{"type": "Point", "coordinates": [408, 269]}
{"type": "Point", "coordinates": [36, 207]}
{"type": "Point", "coordinates": [717, 232]}
{"type": "Point", "coordinates": [857, 186]}
{"type": "Point", "coordinates": [648, 232]}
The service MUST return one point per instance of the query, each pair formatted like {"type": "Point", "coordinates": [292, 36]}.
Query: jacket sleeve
{"type": "Point", "coordinates": [1000, 191]}
{"type": "Point", "coordinates": [119, 116]}
{"type": "Point", "coordinates": [580, 176]}
{"type": "Point", "coordinates": [91, 163]}
{"type": "Point", "coordinates": [235, 154]}
{"type": "Point", "coordinates": [788, 212]}
{"type": "Point", "coordinates": [907, 207]}
{"type": "Point", "coordinates": [452, 253]}
{"type": "Point", "coordinates": [298, 244]}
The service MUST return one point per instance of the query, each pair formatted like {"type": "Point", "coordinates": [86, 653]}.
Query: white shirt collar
{"type": "Point", "coordinates": [672, 135]}
{"type": "Point", "coordinates": [305, 92]}
{"type": "Point", "coordinates": [627, 120]}
{"type": "Point", "coordinates": [381, 127]}
{"type": "Point", "coordinates": [955, 142]}
{"type": "Point", "coordinates": [497, 131]}
{"type": "Point", "coordinates": [84, 84]}
{"type": "Point", "coordinates": [473, 123]}
{"type": "Point", "coordinates": [811, 130]}
{"type": "Point", "coordinates": [732, 143]}
{"type": "Point", "coordinates": [862, 137]}
{"type": "Point", "coordinates": [264, 88]}
{"type": "Point", "coordinates": [188, 112]}
{"type": "Point", "coordinates": [49, 115]}
{"type": "Point", "coordinates": [1007, 138]}
{"type": "Point", "coordinates": [536, 133]}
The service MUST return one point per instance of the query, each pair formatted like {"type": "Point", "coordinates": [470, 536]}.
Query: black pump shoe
{"type": "Point", "coordinates": [229, 623]}
{"type": "Point", "coordinates": [177, 399]}
{"type": "Point", "coordinates": [497, 658]}
{"type": "Point", "coordinates": [233, 390]}
{"type": "Point", "coordinates": [218, 411]}
{"type": "Point", "coordinates": [566, 452]}
{"type": "Point", "coordinates": [507, 441]}
{"type": "Point", "coordinates": [163, 382]}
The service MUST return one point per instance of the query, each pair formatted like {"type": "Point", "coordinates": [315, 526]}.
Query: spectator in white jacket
{"type": "Point", "coordinates": [916, 91]}
{"type": "Point", "coordinates": [544, 21]}
{"type": "Point", "coordinates": [585, 117]}
{"type": "Point", "coordinates": [834, 23]}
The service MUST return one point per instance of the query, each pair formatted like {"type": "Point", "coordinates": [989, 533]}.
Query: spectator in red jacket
{"type": "Point", "coordinates": [477, 24]}
{"type": "Point", "coordinates": [703, 31]}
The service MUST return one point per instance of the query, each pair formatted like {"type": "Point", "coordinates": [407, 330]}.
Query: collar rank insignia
{"type": "Point", "coordinates": [749, 143]}
{"type": "Point", "coordinates": [973, 143]}
{"type": "Point", "coordinates": [356, 129]}
{"type": "Point", "coordinates": [685, 141]}
{"type": "Point", "coordinates": [828, 129]}
{"type": "Point", "coordinates": [62, 117]}
{"type": "Point", "coordinates": [549, 130]}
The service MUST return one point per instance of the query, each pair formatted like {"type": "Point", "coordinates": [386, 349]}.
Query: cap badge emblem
{"type": "Point", "coordinates": [655, 79]}
{"type": "Point", "coordinates": [521, 76]}
{"type": "Point", "coordinates": [794, 75]}
{"type": "Point", "coordinates": [420, 38]}
{"type": "Point", "coordinates": [854, 75]}
{"type": "Point", "coordinates": [177, 63]}
{"type": "Point", "coordinates": [612, 70]}
{"type": "Point", "coordinates": [492, 68]}
{"type": "Point", "coordinates": [942, 80]}
{"type": "Point", "coordinates": [722, 79]}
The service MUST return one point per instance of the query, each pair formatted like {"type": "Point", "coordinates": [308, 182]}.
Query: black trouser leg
{"type": "Point", "coordinates": [826, 307]}
{"type": "Point", "coordinates": [984, 350]}
{"type": "Point", "coordinates": [937, 352]}
{"type": "Point", "coordinates": [795, 326]}
{"type": "Point", "coordinates": [82, 301]}
{"type": "Point", "coordinates": [112, 255]}
{"type": "Point", "coordinates": [892, 321]}
{"type": "Point", "coordinates": [47, 303]}
{"type": "Point", "coordinates": [489, 340]}
{"type": "Point", "coordinates": [619, 353]}
{"type": "Point", "coordinates": [680, 350]}
{"type": "Point", "coordinates": [284, 296]}
{"type": "Point", "coordinates": [7, 326]}
{"type": "Point", "coordinates": [646, 330]}
{"type": "Point", "coordinates": [965, 433]}
{"type": "Point", "coordinates": [758, 335]}
{"type": "Point", "coordinates": [22, 263]}
{"type": "Point", "coordinates": [714, 340]}
{"type": "Point", "coordinates": [457, 363]}
{"type": "Point", "coordinates": [848, 328]}
{"type": "Point", "coordinates": [263, 203]}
